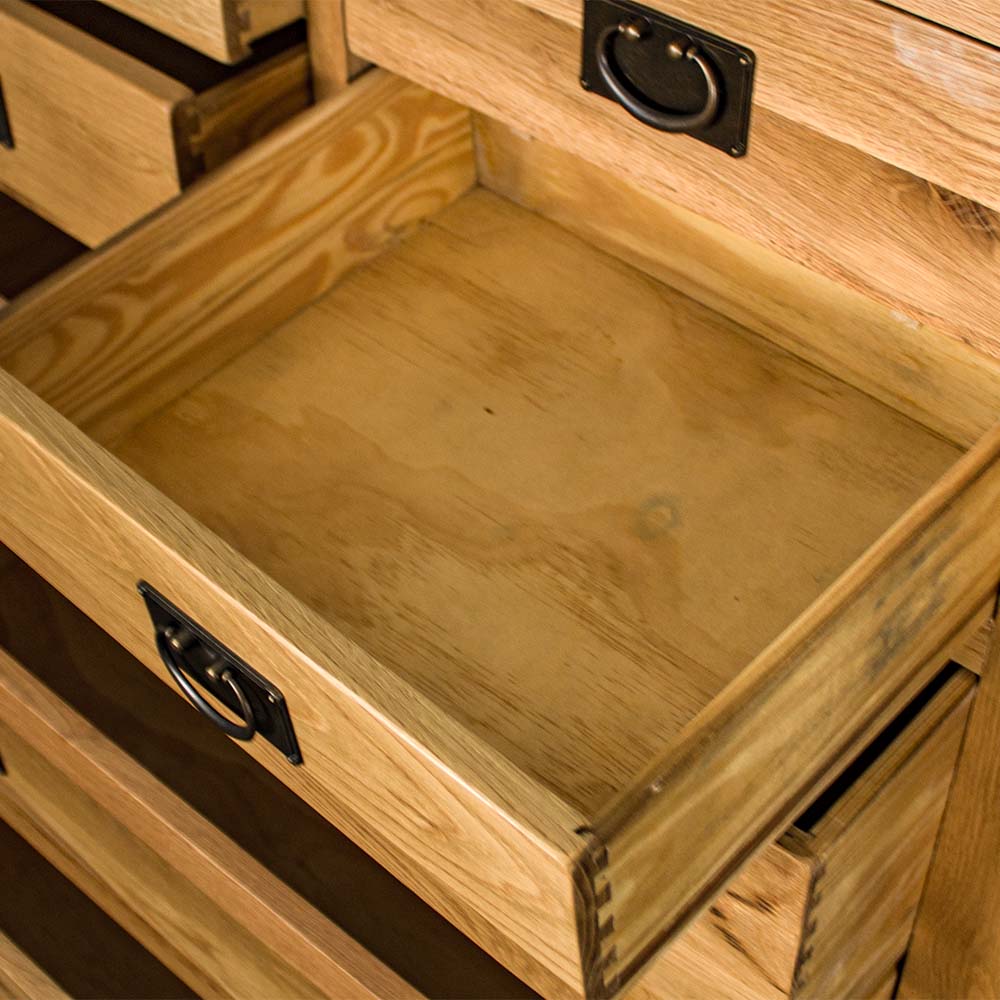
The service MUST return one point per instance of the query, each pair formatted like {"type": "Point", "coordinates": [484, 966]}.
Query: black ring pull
{"type": "Point", "coordinates": [171, 643]}
{"type": "Point", "coordinates": [666, 121]}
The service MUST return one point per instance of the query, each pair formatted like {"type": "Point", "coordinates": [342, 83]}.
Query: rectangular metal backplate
{"type": "Point", "coordinates": [6, 136]}
{"type": "Point", "coordinates": [270, 713]}
{"type": "Point", "coordinates": [672, 85]}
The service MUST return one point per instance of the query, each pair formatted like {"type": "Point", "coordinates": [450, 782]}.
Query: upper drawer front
{"type": "Point", "coordinates": [903, 90]}
{"type": "Point", "coordinates": [221, 29]}
{"type": "Point", "coordinates": [978, 18]}
{"type": "Point", "coordinates": [93, 139]}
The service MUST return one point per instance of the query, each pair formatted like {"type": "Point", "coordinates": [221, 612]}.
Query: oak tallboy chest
{"type": "Point", "coordinates": [580, 539]}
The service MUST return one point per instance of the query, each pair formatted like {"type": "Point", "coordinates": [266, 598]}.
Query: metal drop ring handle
{"type": "Point", "coordinates": [648, 114]}
{"type": "Point", "coordinates": [169, 644]}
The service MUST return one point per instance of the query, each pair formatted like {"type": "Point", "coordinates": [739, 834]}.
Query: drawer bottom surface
{"type": "Point", "coordinates": [564, 500]}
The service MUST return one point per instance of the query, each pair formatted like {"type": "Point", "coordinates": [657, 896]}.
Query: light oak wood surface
{"type": "Point", "coordinates": [71, 942]}
{"type": "Point", "coordinates": [921, 98]}
{"type": "Point", "coordinates": [421, 287]}
{"type": "Point", "coordinates": [227, 118]}
{"type": "Point", "coordinates": [110, 340]}
{"type": "Point", "coordinates": [978, 18]}
{"type": "Point", "coordinates": [823, 203]}
{"type": "Point", "coordinates": [93, 138]}
{"type": "Point", "coordinates": [940, 381]}
{"type": "Point", "coordinates": [873, 848]}
{"type": "Point", "coordinates": [689, 822]}
{"type": "Point", "coordinates": [333, 64]}
{"type": "Point", "coordinates": [21, 978]}
{"type": "Point", "coordinates": [954, 948]}
{"type": "Point", "coordinates": [165, 873]}
{"type": "Point", "coordinates": [538, 477]}
{"type": "Point", "coordinates": [221, 29]}
{"type": "Point", "coordinates": [494, 846]}
{"type": "Point", "coordinates": [98, 679]}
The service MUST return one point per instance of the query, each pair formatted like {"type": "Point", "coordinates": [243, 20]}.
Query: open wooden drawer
{"type": "Point", "coordinates": [577, 591]}
{"type": "Point", "coordinates": [107, 119]}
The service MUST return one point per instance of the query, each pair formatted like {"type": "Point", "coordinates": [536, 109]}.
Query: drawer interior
{"type": "Point", "coordinates": [102, 682]}
{"type": "Point", "coordinates": [564, 500]}
{"type": "Point", "coordinates": [52, 926]}
{"type": "Point", "coordinates": [556, 485]}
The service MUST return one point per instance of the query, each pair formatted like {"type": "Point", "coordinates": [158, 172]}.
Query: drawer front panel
{"type": "Point", "coordinates": [221, 29]}
{"type": "Point", "coordinates": [978, 18]}
{"type": "Point", "coordinates": [165, 873]}
{"type": "Point", "coordinates": [876, 78]}
{"type": "Point", "coordinates": [93, 142]}
{"type": "Point", "coordinates": [821, 202]}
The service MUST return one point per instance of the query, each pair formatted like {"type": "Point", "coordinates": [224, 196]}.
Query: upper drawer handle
{"type": "Point", "coordinates": [173, 642]}
{"type": "Point", "coordinates": [634, 30]}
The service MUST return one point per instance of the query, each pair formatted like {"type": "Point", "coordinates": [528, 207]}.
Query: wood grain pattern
{"type": "Point", "coordinates": [165, 873]}
{"type": "Point", "coordinates": [954, 947]}
{"type": "Point", "coordinates": [21, 978]}
{"type": "Point", "coordinates": [735, 775]}
{"type": "Point", "coordinates": [93, 134]}
{"type": "Point", "coordinates": [746, 945]}
{"type": "Point", "coordinates": [224, 120]}
{"type": "Point", "coordinates": [261, 17]}
{"type": "Point", "coordinates": [333, 64]}
{"type": "Point", "coordinates": [979, 18]}
{"type": "Point", "coordinates": [520, 502]}
{"type": "Point", "coordinates": [110, 340]}
{"type": "Point", "coordinates": [77, 946]}
{"type": "Point", "coordinates": [84, 667]}
{"type": "Point", "coordinates": [820, 202]}
{"type": "Point", "coordinates": [865, 74]}
{"type": "Point", "coordinates": [874, 847]}
{"type": "Point", "coordinates": [941, 382]}
{"type": "Point", "coordinates": [381, 760]}
{"type": "Point", "coordinates": [221, 29]}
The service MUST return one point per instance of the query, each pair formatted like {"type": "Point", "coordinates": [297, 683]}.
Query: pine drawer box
{"type": "Point", "coordinates": [578, 590]}
{"type": "Point", "coordinates": [104, 120]}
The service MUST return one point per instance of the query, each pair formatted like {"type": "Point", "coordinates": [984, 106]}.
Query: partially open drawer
{"type": "Point", "coordinates": [56, 943]}
{"type": "Point", "coordinates": [105, 120]}
{"type": "Point", "coordinates": [576, 591]}
{"type": "Point", "coordinates": [233, 882]}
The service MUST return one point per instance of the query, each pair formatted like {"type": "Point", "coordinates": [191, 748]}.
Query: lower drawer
{"type": "Point", "coordinates": [231, 881]}
{"type": "Point", "coordinates": [107, 120]}
{"type": "Point", "coordinates": [56, 943]}
{"type": "Point", "coordinates": [181, 836]}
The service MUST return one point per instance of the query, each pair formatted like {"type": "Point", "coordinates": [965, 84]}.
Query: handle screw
{"type": "Point", "coordinates": [634, 29]}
